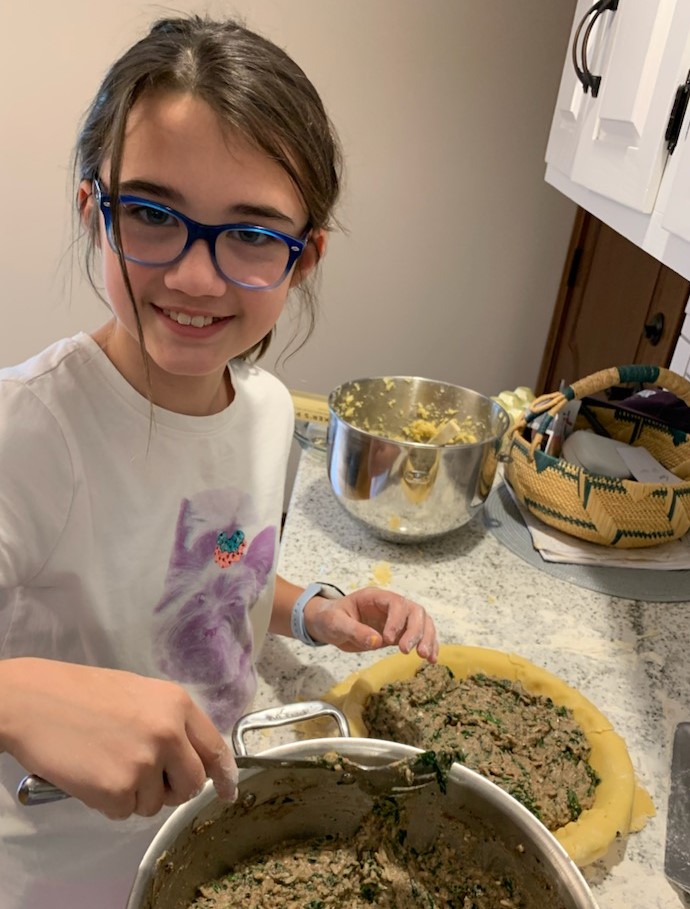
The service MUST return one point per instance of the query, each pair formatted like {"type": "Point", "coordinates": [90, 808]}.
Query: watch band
{"type": "Point", "coordinates": [317, 589]}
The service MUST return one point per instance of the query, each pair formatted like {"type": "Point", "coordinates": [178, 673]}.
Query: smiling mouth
{"type": "Point", "coordinates": [199, 321]}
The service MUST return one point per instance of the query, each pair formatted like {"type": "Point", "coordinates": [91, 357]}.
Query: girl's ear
{"type": "Point", "coordinates": [85, 203]}
{"type": "Point", "coordinates": [314, 251]}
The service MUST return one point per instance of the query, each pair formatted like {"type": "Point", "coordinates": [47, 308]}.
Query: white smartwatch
{"type": "Point", "coordinates": [318, 589]}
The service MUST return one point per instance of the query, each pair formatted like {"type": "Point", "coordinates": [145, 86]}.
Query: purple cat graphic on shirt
{"type": "Point", "coordinates": [202, 633]}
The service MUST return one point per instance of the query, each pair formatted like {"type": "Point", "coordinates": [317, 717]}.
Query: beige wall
{"type": "Point", "coordinates": [454, 244]}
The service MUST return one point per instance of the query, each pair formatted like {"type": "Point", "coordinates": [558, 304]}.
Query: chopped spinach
{"type": "Point", "coordinates": [574, 805]}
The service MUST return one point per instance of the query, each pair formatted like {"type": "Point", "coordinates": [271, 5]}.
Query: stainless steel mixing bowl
{"type": "Point", "coordinates": [205, 837]}
{"type": "Point", "coordinates": [408, 491]}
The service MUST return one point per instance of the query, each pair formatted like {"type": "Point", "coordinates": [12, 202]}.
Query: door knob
{"type": "Point", "coordinates": [654, 329]}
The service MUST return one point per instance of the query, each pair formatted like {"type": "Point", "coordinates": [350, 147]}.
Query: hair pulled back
{"type": "Point", "coordinates": [252, 85]}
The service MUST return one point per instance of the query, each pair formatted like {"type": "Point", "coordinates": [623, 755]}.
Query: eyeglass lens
{"type": "Point", "coordinates": [155, 237]}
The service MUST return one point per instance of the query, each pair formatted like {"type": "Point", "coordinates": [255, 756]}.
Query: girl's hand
{"type": "Point", "coordinates": [121, 743]}
{"type": "Point", "coordinates": [372, 618]}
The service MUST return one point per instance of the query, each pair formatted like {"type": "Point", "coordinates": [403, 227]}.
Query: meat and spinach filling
{"type": "Point", "coordinates": [525, 743]}
{"type": "Point", "coordinates": [377, 866]}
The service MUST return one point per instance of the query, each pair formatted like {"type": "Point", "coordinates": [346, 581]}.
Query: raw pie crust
{"type": "Point", "coordinates": [620, 806]}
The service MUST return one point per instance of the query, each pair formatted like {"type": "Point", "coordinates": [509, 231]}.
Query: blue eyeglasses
{"type": "Point", "coordinates": [151, 234]}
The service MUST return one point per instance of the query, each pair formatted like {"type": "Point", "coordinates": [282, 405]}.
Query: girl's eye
{"type": "Point", "coordinates": [253, 237]}
{"type": "Point", "coordinates": [148, 216]}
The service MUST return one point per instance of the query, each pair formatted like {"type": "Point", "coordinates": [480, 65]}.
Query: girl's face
{"type": "Point", "coordinates": [177, 153]}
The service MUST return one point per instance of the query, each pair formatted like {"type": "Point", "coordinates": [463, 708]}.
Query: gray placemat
{"type": "Point", "coordinates": [502, 517]}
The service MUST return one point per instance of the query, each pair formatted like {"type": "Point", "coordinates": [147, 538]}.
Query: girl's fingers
{"type": "Point", "coordinates": [355, 636]}
{"type": "Point", "coordinates": [150, 794]}
{"type": "Point", "coordinates": [404, 624]}
{"type": "Point", "coordinates": [372, 618]}
{"type": "Point", "coordinates": [408, 625]}
{"type": "Point", "coordinates": [183, 778]}
{"type": "Point", "coordinates": [117, 806]}
{"type": "Point", "coordinates": [214, 753]}
{"type": "Point", "coordinates": [427, 646]}
{"type": "Point", "coordinates": [207, 755]}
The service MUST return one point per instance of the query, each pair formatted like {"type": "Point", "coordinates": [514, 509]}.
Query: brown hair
{"type": "Point", "coordinates": [252, 85]}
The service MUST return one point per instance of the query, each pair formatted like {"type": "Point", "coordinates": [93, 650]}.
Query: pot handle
{"type": "Point", "coordinates": [281, 716]}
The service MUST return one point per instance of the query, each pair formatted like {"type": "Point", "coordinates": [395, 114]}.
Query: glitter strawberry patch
{"type": "Point", "coordinates": [229, 548]}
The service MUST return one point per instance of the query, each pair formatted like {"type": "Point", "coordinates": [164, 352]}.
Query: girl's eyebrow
{"type": "Point", "coordinates": [132, 187]}
{"type": "Point", "coordinates": [173, 197]}
{"type": "Point", "coordinates": [262, 211]}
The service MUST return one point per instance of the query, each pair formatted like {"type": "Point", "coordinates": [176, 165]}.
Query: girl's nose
{"type": "Point", "coordinates": [195, 274]}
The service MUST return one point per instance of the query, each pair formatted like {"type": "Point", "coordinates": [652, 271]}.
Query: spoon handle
{"type": "Point", "coordinates": [34, 790]}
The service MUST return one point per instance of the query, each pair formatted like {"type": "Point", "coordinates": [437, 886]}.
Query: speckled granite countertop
{"type": "Point", "coordinates": [631, 659]}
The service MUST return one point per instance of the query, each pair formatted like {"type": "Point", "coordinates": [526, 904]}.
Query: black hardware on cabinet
{"type": "Point", "coordinates": [680, 103]}
{"type": "Point", "coordinates": [653, 330]}
{"type": "Point", "coordinates": [589, 81]}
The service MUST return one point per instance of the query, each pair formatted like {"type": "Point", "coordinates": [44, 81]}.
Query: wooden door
{"type": "Point", "coordinates": [616, 305]}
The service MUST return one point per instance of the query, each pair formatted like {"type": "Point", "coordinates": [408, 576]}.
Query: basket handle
{"type": "Point", "coordinates": [551, 404]}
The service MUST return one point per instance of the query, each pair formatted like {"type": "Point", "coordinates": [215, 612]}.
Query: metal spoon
{"type": "Point", "coordinates": [394, 778]}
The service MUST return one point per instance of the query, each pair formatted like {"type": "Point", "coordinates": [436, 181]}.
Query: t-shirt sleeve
{"type": "Point", "coordinates": [36, 484]}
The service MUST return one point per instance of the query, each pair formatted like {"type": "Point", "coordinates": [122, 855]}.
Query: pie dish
{"type": "Point", "coordinates": [621, 805]}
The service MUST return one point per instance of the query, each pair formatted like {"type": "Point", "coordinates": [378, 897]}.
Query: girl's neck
{"type": "Point", "coordinates": [196, 396]}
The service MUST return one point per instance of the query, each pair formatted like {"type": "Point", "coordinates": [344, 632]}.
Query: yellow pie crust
{"type": "Point", "coordinates": [621, 806]}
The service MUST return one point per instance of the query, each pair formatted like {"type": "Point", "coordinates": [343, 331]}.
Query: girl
{"type": "Point", "coordinates": [143, 467]}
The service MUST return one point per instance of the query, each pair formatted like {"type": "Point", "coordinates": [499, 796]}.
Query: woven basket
{"type": "Point", "coordinates": [606, 510]}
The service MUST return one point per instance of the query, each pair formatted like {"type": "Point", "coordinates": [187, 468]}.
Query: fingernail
{"type": "Point", "coordinates": [226, 791]}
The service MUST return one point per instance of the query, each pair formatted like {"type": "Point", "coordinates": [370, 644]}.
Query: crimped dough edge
{"type": "Point", "coordinates": [621, 806]}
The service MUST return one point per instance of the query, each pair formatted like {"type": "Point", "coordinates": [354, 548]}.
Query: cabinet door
{"type": "Point", "coordinates": [622, 151]}
{"type": "Point", "coordinates": [572, 103]}
{"type": "Point", "coordinates": [616, 305]}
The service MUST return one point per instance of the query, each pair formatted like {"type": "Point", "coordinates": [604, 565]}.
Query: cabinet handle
{"type": "Point", "coordinates": [680, 104]}
{"type": "Point", "coordinates": [589, 81]}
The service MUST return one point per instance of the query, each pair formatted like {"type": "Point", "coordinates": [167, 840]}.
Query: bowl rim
{"type": "Point", "coordinates": [185, 817]}
{"type": "Point", "coordinates": [494, 406]}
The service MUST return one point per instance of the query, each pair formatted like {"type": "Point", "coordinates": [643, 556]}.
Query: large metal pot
{"type": "Point", "coordinates": [405, 490]}
{"type": "Point", "coordinates": [203, 838]}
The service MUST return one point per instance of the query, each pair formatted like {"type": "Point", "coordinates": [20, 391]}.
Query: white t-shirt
{"type": "Point", "coordinates": [132, 538]}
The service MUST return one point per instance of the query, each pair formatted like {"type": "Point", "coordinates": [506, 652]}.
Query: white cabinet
{"type": "Point", "coordinates": [608, 147]}
{"type": "Point", "coordinates": [613, 144]}
{"type": "Point", "coordinates": [573, 103]}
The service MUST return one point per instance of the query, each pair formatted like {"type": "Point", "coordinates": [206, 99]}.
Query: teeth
{"type": "Point", "coordinates": [183, 318]}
